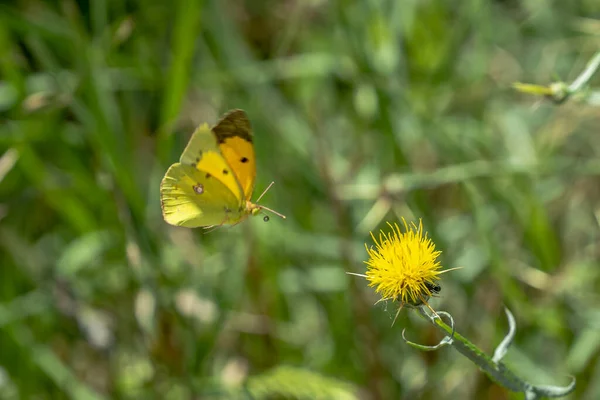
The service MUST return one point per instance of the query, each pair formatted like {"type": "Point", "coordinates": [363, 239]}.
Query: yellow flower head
{"type": "Point", "coordinates": [404, 266]}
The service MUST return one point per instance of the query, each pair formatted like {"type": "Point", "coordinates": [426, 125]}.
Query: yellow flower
{"type": "Point", "coordinates": [404, 266]}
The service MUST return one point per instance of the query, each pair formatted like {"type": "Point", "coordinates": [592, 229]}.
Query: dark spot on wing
{"type": "Point", "coordinates": [208, 175]}
{"type": "Point", "coordinates": [244, 160]}
{"type": "Point", "coordinates": [199, 188]}
{"type": "Point", "coordinates": [225, 172]}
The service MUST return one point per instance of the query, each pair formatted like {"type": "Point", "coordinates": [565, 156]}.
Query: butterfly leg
{"type": "Point", "coordinates": [211, 228]}
{"type": "Point", "coordinates": [240, 221]}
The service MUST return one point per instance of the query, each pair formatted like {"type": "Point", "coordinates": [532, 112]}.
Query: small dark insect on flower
{"type": "Point", "coordinates": [434, 288]}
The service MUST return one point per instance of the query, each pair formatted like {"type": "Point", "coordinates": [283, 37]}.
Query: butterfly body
{"type": "Point", "coordinates": [214, 179]}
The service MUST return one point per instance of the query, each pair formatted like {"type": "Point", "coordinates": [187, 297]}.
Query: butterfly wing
{"type": "Point", "coordinates": [203, 153]}
{"type": "Point", "coordinates": [235, 139]}
{"type": "Point", "coordinates": [191, 198]}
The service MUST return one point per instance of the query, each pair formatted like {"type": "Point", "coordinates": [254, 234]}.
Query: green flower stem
{"type": "Point", "coordinates": [586, 75]}
{"type": "Point", "coordinates": [496, 372]}
{"type": "Point", "coordinates": [495, 369]}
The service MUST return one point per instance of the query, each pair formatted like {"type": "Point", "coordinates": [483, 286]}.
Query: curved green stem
{"type": "Point", "coordinates": [493, 367]}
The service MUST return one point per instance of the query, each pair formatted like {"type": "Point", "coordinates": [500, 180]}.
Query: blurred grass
{"type": "Point", "coordinates": [363, 112]}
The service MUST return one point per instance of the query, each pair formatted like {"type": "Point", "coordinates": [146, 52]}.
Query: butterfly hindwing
{"type": "Point", "coordinates": [191, 198]}
{"type": "Point", "coordinates": [203, 154]}
{"type": "Point", "coordinates": [235, 140]}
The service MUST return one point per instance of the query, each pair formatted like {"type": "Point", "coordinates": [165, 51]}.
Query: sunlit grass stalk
{"type": "Point", "coordinates": [560, 91]}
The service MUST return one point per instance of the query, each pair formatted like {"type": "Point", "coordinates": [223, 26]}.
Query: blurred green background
{"type": "Point", "coordinates": [363, 111]}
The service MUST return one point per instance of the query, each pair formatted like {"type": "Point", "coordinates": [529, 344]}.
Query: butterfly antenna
{"type": "Point", "coordinates": [265, 191]}
{"type": "Point", "coordinates": [273, 211]}
{"type": "Point", "coordinates": [267, 208]}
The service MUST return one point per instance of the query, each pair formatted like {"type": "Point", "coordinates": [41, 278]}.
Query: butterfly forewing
{"type": "Point", "coordinates": [235, 140]}
{"type": "Point", "coordinates": [203, 154]}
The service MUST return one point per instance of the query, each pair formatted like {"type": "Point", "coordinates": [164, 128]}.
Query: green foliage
{"type": "Point", "coordinates": [295, 384]}
{"type": "Point", "coordinates": [363, 111]}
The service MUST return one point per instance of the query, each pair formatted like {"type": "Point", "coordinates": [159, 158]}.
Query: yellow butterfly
{"type": "Point", "coordinates": [213, 181]}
